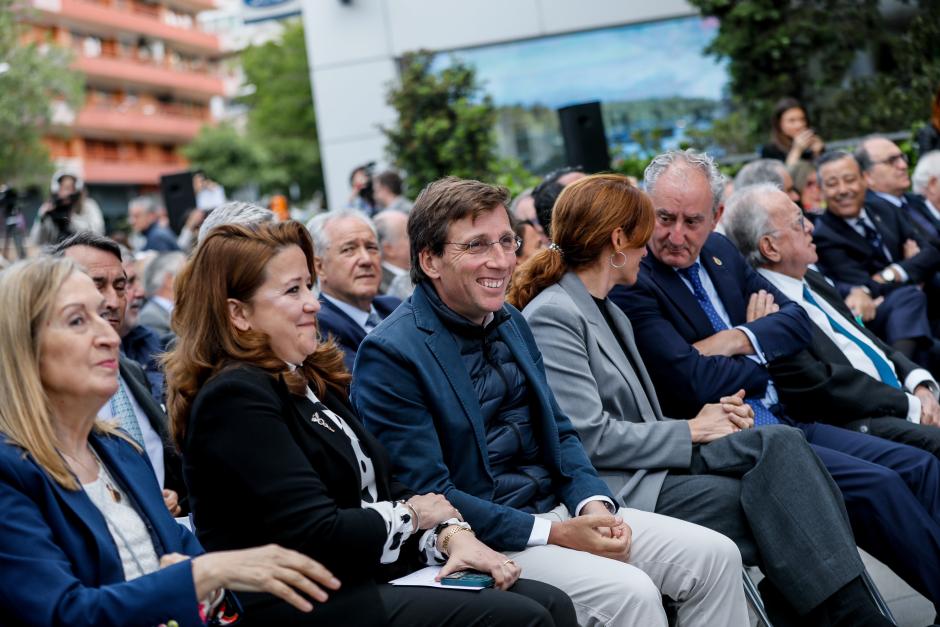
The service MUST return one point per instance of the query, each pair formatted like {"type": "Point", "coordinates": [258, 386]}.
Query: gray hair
{"type": "Point", "coordinates": [691, 159]}
{"type": "Point", "coordinates": [235, 212]}
{"type": "Point", "coordinates": [162, 266]}
{"type": "Point", "coordinates": [928, 167]}
{"type": "Point", "coordinates": [746, 220]}
{"type": "Point", "coordinates": [317, 226]}
{"type": "Point", "coordinates": [383, 227]}
{"type": "Point", "coordinates": [514, 207]}
{"type": "Point", "coordinates": [147, 202]}
{"type": "Point", "coordinates": [762, 171]}
{"type": "Point", "coordinates": [862, 155]}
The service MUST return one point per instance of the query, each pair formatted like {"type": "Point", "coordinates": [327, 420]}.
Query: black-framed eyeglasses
{"type": "Point", "coordinates": [509, 244]}
{"type": "Point", "coordinates": [893, 160]}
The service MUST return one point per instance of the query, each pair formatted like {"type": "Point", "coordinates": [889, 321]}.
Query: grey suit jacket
{"type": "Point", "coordinates": [614, 408]}
{"type": "Point", "coordinates": [156, 317]}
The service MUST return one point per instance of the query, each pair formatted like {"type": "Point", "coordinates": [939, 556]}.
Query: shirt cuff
{"type": "Point", "coordinates": [919, 376]}
{"type": "Point", "coordinates": [901, 271]}
{"type": "Point", "coordinates": [758, 355]}
{"type": "Point", "coordinates": [398, 527]}
{"type": "Point", "coordinates": [540, 530]}
{"type": "Point", "coordinates": [913, 409]}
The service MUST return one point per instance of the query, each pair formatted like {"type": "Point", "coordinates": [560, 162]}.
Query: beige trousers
{"type": "Point", "coordinates": [697, 567]}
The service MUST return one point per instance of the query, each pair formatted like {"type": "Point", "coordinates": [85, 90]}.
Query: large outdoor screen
{"type": "Point", "coordinates": [654, 81]}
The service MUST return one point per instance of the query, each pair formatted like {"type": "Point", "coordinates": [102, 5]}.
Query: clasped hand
{"type": "Point", "coordinates": [717, 420]}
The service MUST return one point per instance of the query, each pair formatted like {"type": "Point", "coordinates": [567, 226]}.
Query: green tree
{"type": "Point", "coordinates": [32, 78]}
{"type": "Point", "coordinates": [279, 148]}
{"type": "Point", "coordinates": [805, 49]}
{"type": "Point", "coordinates": [227, 157]}
{"type": "Point", "coordinates": [445, 123]}
{"type": "Point", "coordinates": [281, 118]}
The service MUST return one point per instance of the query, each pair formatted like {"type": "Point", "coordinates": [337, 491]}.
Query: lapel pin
{"type": "Point", "coordinates": [717, 261]}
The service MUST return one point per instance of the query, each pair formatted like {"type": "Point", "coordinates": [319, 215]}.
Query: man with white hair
{"type": "Point", "coordinates": [235, 212]}
{"type": "Point", "coordinates": [143, 213]}
{"type": "Point", "coordinates": [391, 226]}
{"type": "Point", "coordinates": [847, 375]}
{"type": "Point", "coordinates": [767, 171]}
{"type": "Point", "coordinates": [708, 325]}
{"type": "Point", "coordinates": [926, 181]}
{"type": "Point", "coordinates": [349, 272]}
{"type": "Point", "coordinates": [158, 286]}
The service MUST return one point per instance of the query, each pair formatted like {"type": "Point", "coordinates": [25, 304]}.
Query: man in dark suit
{"type": "Point", "coordinates": [886, 171]}
{"type": "Point", "coordinates": [391, 227]}
{"type": "Point", "coordinates": [468, 413]}
{"type": "Point", "coordinates": [847, 375]}
{"type": "Point", "coordinates": [872, 254]}
{"type": "Point", "coordinates": [132, 407]}
{"type": "Point", "coordinates": [707, 325]}
{"type": "Point", "coordinates": [349, 272]}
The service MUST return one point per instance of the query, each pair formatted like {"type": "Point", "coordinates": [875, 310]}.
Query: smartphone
{"type": "Point", "coordinates": [472, 578]}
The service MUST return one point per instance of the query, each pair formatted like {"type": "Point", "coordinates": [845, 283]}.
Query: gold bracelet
{"type": "Point", "coordinates": [446, 541]}
{"type": "Point", "coordinates": [414, 514]}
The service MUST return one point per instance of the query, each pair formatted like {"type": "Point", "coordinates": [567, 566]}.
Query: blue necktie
{"type": "Point", "coordinates": [883, 367]}
{"type": "Point", "coordinates": [123, 410]}
{"type": "Point", "coordinates": [874, 238]}
{"type": "Point", "coordinates": [762, 415]}
{"type": "Point", "coordinates": [373, 320]}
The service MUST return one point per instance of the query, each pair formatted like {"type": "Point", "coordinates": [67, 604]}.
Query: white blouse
{"type": "Point", "coordinates": [398, 519]}
{"type": "Point", "coordinates": [127, 528]}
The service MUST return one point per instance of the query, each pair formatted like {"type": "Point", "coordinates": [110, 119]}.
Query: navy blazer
{"type": "Point", "coordinates": [847, 258]}
{"type": "Point", "coordinates": [429, 418]}
{"type": "Point", "coordinates": [667, 320]}
{"type": "Point", "coordinates": [59, 564]}
{"type": "Point", "coordinates": [334, 322]}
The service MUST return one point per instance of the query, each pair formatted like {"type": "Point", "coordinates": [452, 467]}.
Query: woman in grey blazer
{"type": "Point", "coordinates": [714, 469]}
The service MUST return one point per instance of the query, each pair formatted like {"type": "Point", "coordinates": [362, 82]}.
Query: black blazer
{"type": "Point", "coordinates": [847, 257]}
{"type": "Point", "coordinates": [818, 384]}
{"type": "Point", "coordinates": [139, 386]}
{"type": "Point", "coordinates": [260, 470]}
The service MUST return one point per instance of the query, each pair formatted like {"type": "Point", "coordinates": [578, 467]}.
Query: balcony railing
{"type": "Point", "coordinates": [115, 67]}
{"type": "Point", "coordinates": [164, 122]}
{"type": "Point", "coordinates": [143, 19]}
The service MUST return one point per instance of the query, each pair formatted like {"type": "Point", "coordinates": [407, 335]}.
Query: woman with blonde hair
{"type": "Point", "coordinates": [85, 538]}
{"type": "Point", "coordinates": [273, 452]}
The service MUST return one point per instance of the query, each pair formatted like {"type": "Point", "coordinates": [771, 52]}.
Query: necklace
{"type": "Point", "coordinates": [113, 492]}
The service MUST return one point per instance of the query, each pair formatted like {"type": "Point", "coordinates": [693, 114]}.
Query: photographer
{"type": "Point", "coordinates": [361, 195]}
{"type": "Point", "coordinates": [67, 211]}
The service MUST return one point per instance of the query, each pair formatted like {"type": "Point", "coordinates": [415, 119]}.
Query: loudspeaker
{"type": "Point", "coordinates": [179, 197]}
{"type": "Point", "coordinates": [582, 128]}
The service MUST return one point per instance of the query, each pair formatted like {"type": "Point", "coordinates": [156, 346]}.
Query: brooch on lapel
{"type": "Point", "coordinates": [717, 261]}
{"type": "Point", "coordinates": [318, 419]}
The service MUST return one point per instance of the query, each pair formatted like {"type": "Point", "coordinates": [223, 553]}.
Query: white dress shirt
{"type": "Point", "coordinates": [358, 316]}
{"type": "Point", "coordinates": [793, 289]}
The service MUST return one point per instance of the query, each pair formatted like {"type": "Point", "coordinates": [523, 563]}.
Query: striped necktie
{"type": "Point", "coordinates": [885, 371]}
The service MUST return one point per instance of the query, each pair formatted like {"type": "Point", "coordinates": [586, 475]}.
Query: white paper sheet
{"type": "Point", "coordinates": [425, 577]}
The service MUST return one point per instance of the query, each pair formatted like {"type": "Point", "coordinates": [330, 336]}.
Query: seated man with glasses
{"type": "Point", "coordinates": [452, 384]}
{"type": "Point", "coordinates": [866, 247]}
{"type": "Point", "coordinates": [846, 376]}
